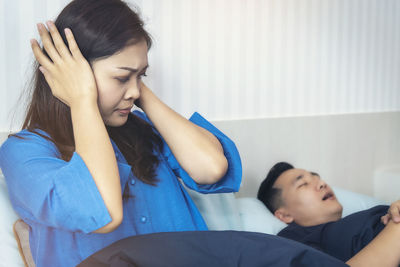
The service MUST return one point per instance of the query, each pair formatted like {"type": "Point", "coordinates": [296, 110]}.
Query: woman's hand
{"type": "Point", "coordinates": [67, 72]}
{"type": "Point", "coordinates": [144, 92]}
{"type": "Point", "coordinates": [193, 146]}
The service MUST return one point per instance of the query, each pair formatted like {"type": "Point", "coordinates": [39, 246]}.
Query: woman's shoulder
{"type": "Point", "coordinates": [26, 135]}
{"type": "Point", "coordinates": [25, 138]}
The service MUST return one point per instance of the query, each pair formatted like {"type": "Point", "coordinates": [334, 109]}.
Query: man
{"type": "Point", "coordinates": [304, 201]}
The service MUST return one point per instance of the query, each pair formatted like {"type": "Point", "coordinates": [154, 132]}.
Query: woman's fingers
{"type": "Point", "coordinates": [47, 42]}
{"type": "Point", "coordinates": [66, 71]}
{"type": "Point", "coordinates": [57, 40]}
{"type": "Point", "coordinates": [73, 46]}
{"type": "Point", "coordinates": [54, 44]}
{"type": "Point", "coordinates": [39, 55]}
{"type": "Point", "coordinates": [46, 74]}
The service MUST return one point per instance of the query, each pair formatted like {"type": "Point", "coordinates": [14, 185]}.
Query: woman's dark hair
{"type": "Point", "coordinates": [101, 28]}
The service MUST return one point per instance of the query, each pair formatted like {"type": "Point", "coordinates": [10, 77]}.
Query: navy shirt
{"type": "Point", "coordinates": [61, 203]}
{"type": "Point", "coordinates": [341, 239]}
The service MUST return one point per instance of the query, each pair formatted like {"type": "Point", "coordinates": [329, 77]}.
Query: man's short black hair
{"type": "Point", "coordinates": [267, 194]}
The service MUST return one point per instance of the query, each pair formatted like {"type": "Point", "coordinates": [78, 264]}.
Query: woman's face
{"type": "Point", "coordinates": [118, 80]}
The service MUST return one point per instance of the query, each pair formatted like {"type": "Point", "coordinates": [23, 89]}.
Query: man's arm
{"type": "Point", "coordinates": [382, 251]}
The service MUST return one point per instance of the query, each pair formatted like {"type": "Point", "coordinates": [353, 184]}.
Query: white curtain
{"type": "Point", "coordinates": [236, 59]}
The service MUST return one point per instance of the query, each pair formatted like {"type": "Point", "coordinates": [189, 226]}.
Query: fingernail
{"type": "Point", "coordinates": [41, 69]}
{"type": "Point", "coordinates": [32, 41]}
{"type": "Point", "coordinates": [50, 24]}
{"type": "Point", "coordinates": [39, 26]}
{"type": "Point", "coordinates": [67, 31]}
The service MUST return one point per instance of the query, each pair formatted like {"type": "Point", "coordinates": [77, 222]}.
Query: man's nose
{"type": "Point", "coordinates": [321, 184]}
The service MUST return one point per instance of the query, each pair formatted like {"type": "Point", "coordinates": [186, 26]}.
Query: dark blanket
{"type": "Point", "coordinates": [341, 239]}
{"type": "Point", "coordinates": [209, 249]}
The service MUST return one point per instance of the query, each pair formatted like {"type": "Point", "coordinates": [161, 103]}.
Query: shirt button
{"type": "Point", "coordinates": [133, 181]}
{"type": "Point", "coordinates": [143, 219]}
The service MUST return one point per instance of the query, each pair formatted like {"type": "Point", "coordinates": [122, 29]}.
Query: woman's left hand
{"type": "Point", "coordinates": [143, 90]}
{"type": "Point", "coordinates": [194, 147]}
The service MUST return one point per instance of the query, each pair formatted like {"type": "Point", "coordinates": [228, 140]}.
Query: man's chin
{"type": "Point", "coordinates": [334, 216]}
{"type": "Point", "coordinates": [336, 213]}
{"type": "Point", "coordinates": [340, 211]}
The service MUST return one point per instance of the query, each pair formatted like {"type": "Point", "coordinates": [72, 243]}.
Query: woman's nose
{"type": "Point", "coordinates": [133, 91]}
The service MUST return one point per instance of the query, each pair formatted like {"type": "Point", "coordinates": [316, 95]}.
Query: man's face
{"type": "Point", "coordinates": [308, 200]}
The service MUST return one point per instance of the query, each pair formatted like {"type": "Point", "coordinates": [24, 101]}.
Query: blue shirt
{"type": "Point", "coordinates": [341, 239]}
{"type": "Point", "coordinates": [62, 205]}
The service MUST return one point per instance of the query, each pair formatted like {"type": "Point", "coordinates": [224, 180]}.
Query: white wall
{"type": "Point", "coordinates": [236, 59]}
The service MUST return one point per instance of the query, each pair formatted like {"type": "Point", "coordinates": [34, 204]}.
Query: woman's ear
{"type": "Point", "coordinates": [283, 215]}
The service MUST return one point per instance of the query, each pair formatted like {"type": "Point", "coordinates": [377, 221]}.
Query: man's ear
{"type": "Point", "coordinates": [283, 215]}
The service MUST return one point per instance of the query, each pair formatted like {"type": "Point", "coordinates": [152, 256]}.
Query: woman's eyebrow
{"type": "Point", "coordinates": [133, 70]}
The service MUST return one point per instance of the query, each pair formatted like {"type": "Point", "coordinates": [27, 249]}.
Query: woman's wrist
{"type": "Point", "coordinates": [84, 104]}
{"type": "Point", "coordinates": [147, 97]}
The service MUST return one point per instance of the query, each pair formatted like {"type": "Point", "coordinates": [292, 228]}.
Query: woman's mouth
{"type": "Point", "coordinates": [124, 112]}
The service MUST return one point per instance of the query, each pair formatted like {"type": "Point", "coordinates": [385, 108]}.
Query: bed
{"type": "Point", "coordinates": [221, 212]}
{"type": "Point", "coordinates": [316, 145]}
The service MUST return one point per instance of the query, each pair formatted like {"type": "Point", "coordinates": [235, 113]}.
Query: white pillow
{"type": "Point", "coordinates": [353, 202]}
{"type": "Point", "coordinates": [256, 217]}
{"type": "Point", "coordinates": [218, 210]}
{"type": "Point", "coordinates": [9, 253]}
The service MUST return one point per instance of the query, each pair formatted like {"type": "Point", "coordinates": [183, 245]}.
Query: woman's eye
{"type": "Point", "coordinates": [141, 75]}
{"type": "Point", "coordinates": [122, 79]}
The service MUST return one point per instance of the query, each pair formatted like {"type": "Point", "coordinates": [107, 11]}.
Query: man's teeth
{"type": "Point", "coordinates": [327, 196]}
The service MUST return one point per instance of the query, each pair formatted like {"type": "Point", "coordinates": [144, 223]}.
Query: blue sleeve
{"type": "Point", "coordinates": [233, 177]}
{"type": "Point", "coordinates": [48, 190]}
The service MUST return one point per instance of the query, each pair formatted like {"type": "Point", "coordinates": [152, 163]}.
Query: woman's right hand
{"type": "Point", "coordinates": [67, 72]}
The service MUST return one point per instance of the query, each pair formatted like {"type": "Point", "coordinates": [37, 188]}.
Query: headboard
{"type": "Point", "coordinates": [346, 150]}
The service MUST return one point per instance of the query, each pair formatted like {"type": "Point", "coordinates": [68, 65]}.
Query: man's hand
{"type": "Point", "coordinates": [393, 213]}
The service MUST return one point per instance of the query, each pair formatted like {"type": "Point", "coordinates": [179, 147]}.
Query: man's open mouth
{"type": "Point", "coordinates": [327, 196]}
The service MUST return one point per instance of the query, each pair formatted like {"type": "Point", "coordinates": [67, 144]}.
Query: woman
{"type": "Point", "coordinates": [85, 171]}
